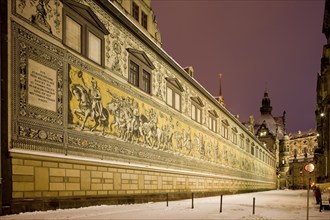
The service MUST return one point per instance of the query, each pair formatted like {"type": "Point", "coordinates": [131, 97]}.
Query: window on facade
{"type": "Point", "coordinates": [169, 96]}
{"type": "Point", "coordinates": [224, 129]}
{"type": "Point", "coordinates": [94, 47]}
{"type": "Point", "coordinates": [140, 67]}
{"type": "Point", "coordinates": [73, 34]}
{"type": "Point", "coordinates": [252, 149]}
{"type": "Point", "coordinates": [198, 116]}
{"type": "Point", "coordinates": [241, 141]}
{"type": "Point", "coordinates": [83, 32]}
{"type": "Point", "coordinates": [263, 133]}
{"type": "Point", "coordinates": [247, 145]}
{"type": "Point", "coordinates": [146, 81]}
{"type": "Point", "coordinates": [135, 11]}
{"type": "Point", "coordinates": [173, 93]}
{"type": "Point", "coordinates": [144, 20]}
{"type": "Point", "coordinates": [196, 109]}
{"type": "Point", "coordinates": [133, 76]}
{"type": "Point", "coordinates": [213, 125]}
{"type": "Point", "coordinates": [234, 135]}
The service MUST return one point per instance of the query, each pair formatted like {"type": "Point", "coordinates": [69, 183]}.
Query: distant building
{"type": "Point", "coordinates": [322, 112]}
{"type": "Point", "coordinates": [301, 152]}
{"type": "Point", "coordinates": [292, 152]}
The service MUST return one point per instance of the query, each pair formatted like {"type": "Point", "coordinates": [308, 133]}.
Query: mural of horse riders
{"type": "Point", "coordinates": [123, 116]}
{"type": "Point", "coordinates": [106, 110]}
{"type": "Point", "coordinates": [136, 127]}
{"type": "Point", "coordinates": [90, 104]}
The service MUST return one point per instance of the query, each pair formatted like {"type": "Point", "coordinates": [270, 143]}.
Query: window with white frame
{"type": "Point", "coordinates": [248, 145]}
{"type": "Point", "coordinates": [234, 135]}
{"type": "Point", "coordinates": [213, 125]}
{"type": "Point", "coordinates": [224, 129]}
{"type": "Point", "coordinates": [173, 93]}
{"type": "Point", "coordinates": [241, 141]}
{"type": "Point", "coordinates": [196, 109]}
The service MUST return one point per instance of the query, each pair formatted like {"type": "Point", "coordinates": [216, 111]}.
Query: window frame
{"type": "Point", "coordinates": [176, 93]}
{"type": "Point", "coordinates": [241, 141]}
{"type": "Point", "coordinates": [86, 28]}
{"type": "Point", "coordinates": [234, 135]}
{"type": "Point", "coordinates": [252, 149]}
{"type": "Point", "coordinates": [146, 86]}
{"type": "Point", "coordinates": [102, 46]}
{"type": "Point", "coordinates": [65, 39]}
{"type": "Point", "coordinates": [144, 19]}
{"type": "Point", "coordinates": [144, 66]}
{"type": "Point", "coordinates": [197, 116]}
{"type": "Point", "coordinates": [213, 120]}
{"type": "Point", "coordinates": [133, 74]}
{"type": "Point", "coordinates": [224, 129]}
{"type": "Point", "coordinates": [247, 148]}
{"type": "Point", "coordinates": [175, 86]}
{"type": "Point", "coordinates": [134, 12]}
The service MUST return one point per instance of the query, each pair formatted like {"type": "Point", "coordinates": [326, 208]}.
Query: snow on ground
{"type": "Point", "coordinates": [270, 205]}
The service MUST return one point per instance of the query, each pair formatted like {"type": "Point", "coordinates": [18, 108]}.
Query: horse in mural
{"type": "Point", "coordinates": [133, 126]}
{"type": "Point", "coordinates": [85, 109]}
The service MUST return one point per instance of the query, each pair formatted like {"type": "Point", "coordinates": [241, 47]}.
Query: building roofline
{"type": "Point", "coordinates": [135, 30]}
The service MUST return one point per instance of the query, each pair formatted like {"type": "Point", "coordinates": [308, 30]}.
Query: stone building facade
{"type": "Point", "coordinates": [292, 151]}
{"type": "Point", "coordinates": [270, 131]}
{"type": "Point", "coordinates": [301, 152]}
{"type": "Point", "coordinates": [322, 112]}
{"type": "Point", "coordinates": [93, 110]}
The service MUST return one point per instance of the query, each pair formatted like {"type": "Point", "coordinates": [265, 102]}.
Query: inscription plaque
{"type": "Point", "coordinates": [41, 86]}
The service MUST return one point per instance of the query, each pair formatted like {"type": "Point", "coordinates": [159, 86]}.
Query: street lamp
{"type": "Point", "coordinates": [308, 168]}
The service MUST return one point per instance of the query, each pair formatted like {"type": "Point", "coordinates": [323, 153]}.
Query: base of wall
{"type": "Point", "coordinates": [42, 204]}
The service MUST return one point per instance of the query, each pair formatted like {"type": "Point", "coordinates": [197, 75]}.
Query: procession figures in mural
{"type": "Point", "coordinates": [102, 109]}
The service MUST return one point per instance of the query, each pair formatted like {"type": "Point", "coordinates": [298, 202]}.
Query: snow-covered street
{"type": "Point", "coordinates": [276, 204]}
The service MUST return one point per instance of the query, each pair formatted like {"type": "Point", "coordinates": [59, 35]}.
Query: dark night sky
{"type": "Point", "coordinates": [255, 44]}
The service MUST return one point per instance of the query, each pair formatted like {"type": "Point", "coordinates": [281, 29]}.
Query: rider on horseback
{"type": "Point", "coordinates": [95, 94]}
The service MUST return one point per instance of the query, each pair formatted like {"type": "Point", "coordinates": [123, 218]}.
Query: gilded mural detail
{"type": "Point", "coordinates": [98, 108]}
{"type": "Point", "coordinates": [124, 123]}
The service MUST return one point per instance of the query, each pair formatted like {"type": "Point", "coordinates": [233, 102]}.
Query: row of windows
{"type": "Point", "coordinates": [88, 39]}
{"type": "Point", "coordinates": [136, 15]}
{"type": "Point", "coordinates": [173, 99]}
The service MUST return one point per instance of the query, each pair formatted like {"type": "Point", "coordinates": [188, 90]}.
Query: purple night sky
{"type": "Point", "coordinates": [255, 44]}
